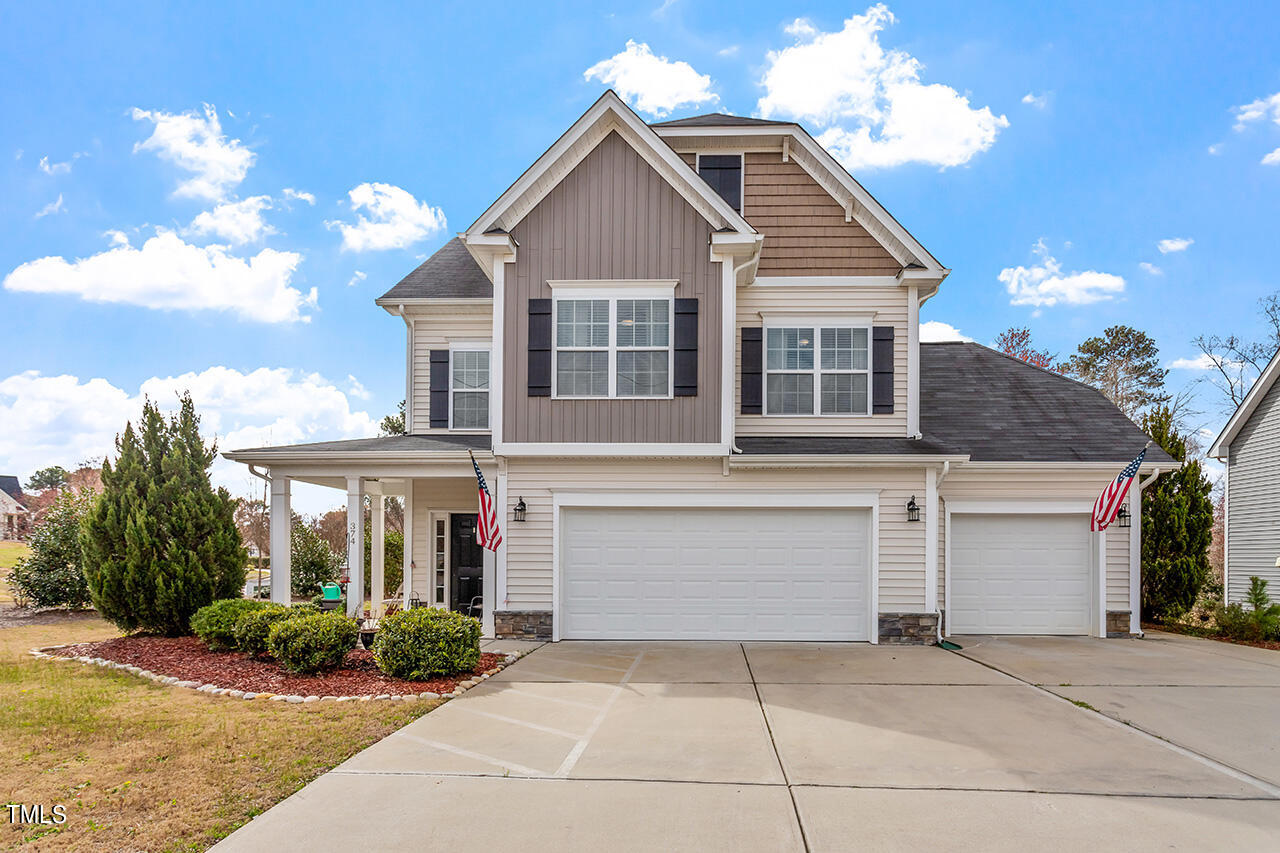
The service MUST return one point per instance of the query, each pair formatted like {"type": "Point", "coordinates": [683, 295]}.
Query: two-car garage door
{"type": "Point", "coordinates": [740, 573]}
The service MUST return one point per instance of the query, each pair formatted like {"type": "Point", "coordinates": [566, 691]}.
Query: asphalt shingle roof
{"type": "Point", "coordinates": [9, 484]}
{"type": "Point", "coordinates": [394, 443]}
{"type": "Point", "coordinates": [451, 273]}
{"type": "Point", "coordinates": [719, 120]}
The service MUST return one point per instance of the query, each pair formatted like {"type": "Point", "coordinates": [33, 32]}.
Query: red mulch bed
{"type": "Point", "coordinates": [188, 659]}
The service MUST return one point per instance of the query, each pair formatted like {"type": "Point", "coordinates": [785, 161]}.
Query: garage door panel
{"type": "Point", "coordinates": [1020, 574]}
{"type": "Point", "coordinates": [724, 574]}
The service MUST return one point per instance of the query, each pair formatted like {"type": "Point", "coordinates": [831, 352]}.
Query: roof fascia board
{"type": "Point", "coordinates": [841, 460]}
{"type": "Point", "coordinates": [1247, 407]}
{"type": "Point", "coordinates": [478, 301]}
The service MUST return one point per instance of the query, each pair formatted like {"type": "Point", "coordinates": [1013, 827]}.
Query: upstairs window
{"type": "Point", "coordinates": [723, 172]}
{"type": "Point", "coordinates": [817, 370]}
{"type": "Point", "coordinates": [614, 347]}
{"type": "Point", "coordinates": [469, 389]}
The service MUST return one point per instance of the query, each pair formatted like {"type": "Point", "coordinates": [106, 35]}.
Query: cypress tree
{"type": "Point", "coordinates": [1177, 526]}
{"type": "Point", "coordinates": [160, 543]}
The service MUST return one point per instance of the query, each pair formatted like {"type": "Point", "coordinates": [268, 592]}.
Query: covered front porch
{"type": "Point", "coordinates": [433, 478]}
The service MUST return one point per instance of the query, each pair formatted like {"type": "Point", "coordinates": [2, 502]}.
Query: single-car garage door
{"type": "Point", "coordinates": [714, 574]}
{"type": "Point", "coordinates": [1020, 574]}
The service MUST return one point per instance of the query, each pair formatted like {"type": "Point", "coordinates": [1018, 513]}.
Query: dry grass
{"type": "Point", "coordinates": [145, 767]}
{"type": "Point", "coordinates": [10, 552]}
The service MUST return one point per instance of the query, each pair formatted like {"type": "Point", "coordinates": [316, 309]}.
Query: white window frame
{"type": "Point", "coordinates": [470, 347]}
{"type": "Point", "coordinates": [817, 324]}
{"type": "Point", "coordinates": [612, 292]}
{"type": "Point", "coordinates": [742, 172]}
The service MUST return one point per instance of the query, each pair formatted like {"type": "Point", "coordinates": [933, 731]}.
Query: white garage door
{"type": "Point", "coordinates": [714, 574]}
{"type": "Point", "coordinates": [1020, 574]}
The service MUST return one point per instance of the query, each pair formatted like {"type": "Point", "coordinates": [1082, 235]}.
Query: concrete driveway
{"type": "Point", "coordinates": [774, 747]}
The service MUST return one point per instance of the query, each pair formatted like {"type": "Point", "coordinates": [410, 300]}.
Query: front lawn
{"type": "Point", "coordinates": [140, 766]}
{"type": "Point", "coordinates": [10, 553]}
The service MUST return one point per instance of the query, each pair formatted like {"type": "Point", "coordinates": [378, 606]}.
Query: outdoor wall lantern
{"type": "Point", "coordinates": [1123, 518]}
{"type": "Point", "coordinates": [517, 513]}
{"type": "Point", "coordinates": [913, 509]}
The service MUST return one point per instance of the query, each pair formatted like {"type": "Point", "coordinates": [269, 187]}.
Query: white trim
{"type": "Point", "coordinates": [479, 346]}
{"type": "Point", "coordinates": [742, 170]}
{"type": "Point", "coordinates": [1022, 506]}
{"type": "Point", "coordinates": [913, 361]}
{"type": "Point", "coordinates": [1135, 557]}
{"type": "Point", "coordinates": [1246, 409]}
{"type": "Point", "coordinates": [408, 370]}
{"type": "Point", "coordinates": [930, 541]}
{"type": "Point", "coordinates": [585, 448]}
{"type": "Point", "coordinates": [617, 288]}
{"type": "Point", "coordinates": [496, 373]}
{"type": "Point", "coordinates": [842, 281]}
{"type": "Point", "coordinates": [432, 301]}
{"type": "Point", "coordinates": [1226, 528]}
{"type": "Point", "coordinates": [1100, 584]}
{"type": "Point", "coordinates": [504, 528]}
{"type": "Point", "coordinates": [406, 577]}
{"type": "Point", "coordinates": [355, 547]}
{"type": "Point", "coordinates": [280, 521]}
{"type": "Point", "coordinates": [646, 499]}
{"type": "Point", "coordinates": [782, 321]}
{"type": "Point", "coordinates": [840, 460]}
{"type": "Point", "coordinates": [583, 292]}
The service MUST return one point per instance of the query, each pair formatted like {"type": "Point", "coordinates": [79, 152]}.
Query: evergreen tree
{"type": "Point", "coordinates": [50, 576]}
{"type": "Point", "coordinates": [160, 543]}
{"type": "Point", "coordinates": [311, 562]}
{"type": "Point", "coordinates": [1177, 526]}
{"type": "Point", "coordinates": [1124, 364]}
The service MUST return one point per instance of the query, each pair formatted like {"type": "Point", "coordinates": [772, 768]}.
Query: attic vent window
{"type": "Point", "coordinates": [723, 172]}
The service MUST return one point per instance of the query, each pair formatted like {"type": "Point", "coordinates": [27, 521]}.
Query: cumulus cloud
{"type": "Point", "coordinates": [1272, 159]}
{"type": "Point", "coordinates": [396, 219]}
{"type": "Point", "coordinates": [1038, 101]}
{"type": "Point", "coordinates": [168, 273]}
{"type": "Point", "coordinates": [652, 84]}
{"type": "Point", "coordinates": [1215, 149]}
{"type": "Point", "coordinates": [356, 389]}
{"type": "Point", "coordinates": [236, 222]}
{"type": "Point", "coordinates": [54, 168]}
{"type": "Point", "coordinates": [60, 420]}
{"type": "Point", "coordinates": [1174, 244]}
{"type": "Point", "coordinates": [1150, 268]}
{"type": "Point", "coordinates": [356, 278]}
{"type": "Point", "coordinates": [195, 143]}
{"type": "Point", "coordinates": [1045, 285]}
{"type": "Point", "coordinates": [1204, 361]}
{"type": "Point", "coordinates": [290, 194]}
{"type": "Point", "coordinates": [51, 207]}
{"type": "Point", "coordinates": [1259, 110]}
{"type": "Point", "coordinates": [870, 103]}
{"type": "Point", "coordinates": [935, 331]}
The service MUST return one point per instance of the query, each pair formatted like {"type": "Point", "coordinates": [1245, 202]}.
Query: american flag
{"type": "Point", "coordinates": [1108, 503]}
{"type": "Point", "coordinates": [488, 535]}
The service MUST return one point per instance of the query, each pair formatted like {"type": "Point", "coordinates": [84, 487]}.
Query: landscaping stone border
{"type": "Point", "coordinates": [214, 690]}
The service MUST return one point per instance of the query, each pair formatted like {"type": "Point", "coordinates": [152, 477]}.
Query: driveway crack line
{"type": "Point", "coordinates": [768, 727]}
{"type": "Point", "coordinates": [580, 747]}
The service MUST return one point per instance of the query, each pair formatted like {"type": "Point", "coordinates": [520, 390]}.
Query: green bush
{"type": "Point", "coordinates": [426, 642]}
{"type": "Point", "coordinates": [1261, 621]}
{"type": "Point", "coordinates": [312, 643]}
{"type": "Point", "coordinates": [50, 576]}
{"type": "Point", "coordinates": [215, 623]}
{"type": "Point", "coordinates": [312, 564]}
{"type": "Point", "coordinates": [254, 626]}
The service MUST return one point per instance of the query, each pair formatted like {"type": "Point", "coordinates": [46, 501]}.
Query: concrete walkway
{"type": "Point", "coordinates": [775, 747]}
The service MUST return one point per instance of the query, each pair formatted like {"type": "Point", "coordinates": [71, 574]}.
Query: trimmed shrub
{"type": "Point", "coordinates": [253, 627]}
{"type": "Point", "coordinates": [50, 576]}
{"type": "Point", "coordinates": [312, 643]}
{"type": "Point", "coordinates": [215, 623]}
{"type": "Point", "coordinates": [425, 642]}
{"type": "Point", "coordinates": [1258, 623]}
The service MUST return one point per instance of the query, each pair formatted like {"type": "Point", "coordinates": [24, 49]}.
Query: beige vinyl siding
{"type": "Point", "coordinates": [437, 328]}
{"type": "Point", "coordinates": [529, 545]}
{"type": "Point", "coordinates": [612, 217]}
{"type": "Point", "coordinates": [883, 305]}
{"type": "Point", "coordinates": [1061, 484]}
{"type": "Point", "coordinates": [1253, 531]}
{"type": "Point", "coordinates": [431, 494]}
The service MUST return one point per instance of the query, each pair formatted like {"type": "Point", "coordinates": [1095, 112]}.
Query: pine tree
{"type": "Point", "coordinates": [1177, 526]}
{"type": "Point", "coordinates": [160, 543]}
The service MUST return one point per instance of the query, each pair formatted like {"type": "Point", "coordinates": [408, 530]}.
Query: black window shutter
{"type": "Point", "coordinates": [686, 348]}
{"type": "Point", "coordinates": [539, 347]}
{"type": "Point", "coordinates": [439, 389]}
{"type": "Point", "coordinates": [882, 370]}
{"type": "Point", "coordinates": [752, 370]}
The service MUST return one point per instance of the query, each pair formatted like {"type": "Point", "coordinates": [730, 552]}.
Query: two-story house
{"type": "Point", "coordinates": [687, 357]}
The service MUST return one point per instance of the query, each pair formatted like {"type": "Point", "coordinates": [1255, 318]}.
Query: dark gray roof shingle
{"type": "Point", "coordinates": [719, 120]}
{"type": "Point", "coordinates": [392, 443]}
{"type": "Point", "coordinates": [9, 485]}
{"type": "Point", "coordinates": [451, 273]}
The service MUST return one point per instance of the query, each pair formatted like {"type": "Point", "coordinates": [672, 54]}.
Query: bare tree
{"type": "Point", "coordinates": [1238, 362]}
{"type": "Point", "coordinates": [1017, 343]}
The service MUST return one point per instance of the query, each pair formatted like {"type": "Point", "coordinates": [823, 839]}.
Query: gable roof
{"type": "Point", "coordinates": [450, 273]}
{"type": "Point", "coordinates": [719, 120]}
{"type": "Point", "coordinates": [10, 486]}
{"type": "Point", "coordinates": [1245, 410]}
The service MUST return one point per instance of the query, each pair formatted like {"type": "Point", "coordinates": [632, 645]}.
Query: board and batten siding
{"type": "Point", "coordinates": [437, 328]}
{"type": "Point", "coordinates": [612, 217]}
{"type": "Point", "coordinates": [530, 544]}
{"type": "Point", "coordinates": [1253, 500]}
{"type": "Point", "coordinates": [434, 494]}
{"type": "Point", "coordinates": [883, 305]}
{"type": "Point", "coordinates": [1053, 485]}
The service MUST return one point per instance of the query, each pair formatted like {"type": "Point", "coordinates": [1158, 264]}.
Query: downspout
{"type": "Point", "coordinates": [733, 438]}
{"type": "Point", "coordinates": [942, 475]}
{"type": "Point", "coordinates": [253, 469]}
{"type": "Point", "coordinates": [408, 371]}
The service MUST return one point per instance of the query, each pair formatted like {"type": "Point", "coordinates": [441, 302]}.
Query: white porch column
{"type": "Point", "coordinates": [1100, 587]}
{"type": "Point", "coordinates": [408, 542]}
{"type": "Point", "coordinates": [281, 521]}
{"type": "Point", "coordinates": [930, 541]}
{"type": "Point", "coordinates": [355, 546]}
{"type": "Point", "coordinates": [1135, 557]}
{"type": "Point", "coordinates": [377, 559]}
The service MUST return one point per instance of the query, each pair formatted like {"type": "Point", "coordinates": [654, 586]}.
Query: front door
{"type": "Point", "coordinates": [467, 570]}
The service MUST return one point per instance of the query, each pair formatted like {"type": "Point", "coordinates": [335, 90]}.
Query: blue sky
{"type": "Point", "coordinates": [239, 255]}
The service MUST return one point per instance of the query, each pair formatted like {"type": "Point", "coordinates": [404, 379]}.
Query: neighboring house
{"type": "Point", "coordinates": [703, 406]}
{"type": "Point", "coordinates": [13, 512]}
{"type": "Point", "coordinates": [1250, 446]}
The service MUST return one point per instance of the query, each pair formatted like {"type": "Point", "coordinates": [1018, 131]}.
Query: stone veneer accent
{"type": "Point", "coordinates": [522, 624]}
{"type": "Point", "coordinates": [915, 629]}
{"type": "Point", "coordinates": [1117, 623]}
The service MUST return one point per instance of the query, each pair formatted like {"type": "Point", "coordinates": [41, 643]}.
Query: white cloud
{"type": "Point", "coordinates": [652, 84]}
{"type": "Point", "coordinates": [870, 103]}
{"type": "Point", "coordinates": [356, 389]}
{"type": "Point", "coordinates": [51, 207]}
{"type": "Point", "coordinates": [196, 144]}
{"type": "Point", "coordinates": [290, 194]}
{"type": "Point", "coordinates": [1174, 244]}
{"type": "Point", "coordinates": [1263, 108]}
{"type": "Point", "coordinates": [1038, 101]}
{"type": "Point", "coordinates": [17, 155]}
{"type": "Point", "coordinates": [54, 168]}
{"type": "Point", "coordinates": [1045, 285]}
{"type": "Point", "coordinates": [1215, 149]}
{"type": "Point", "coordinates": [1272, 159]}
{"type": "Point", "coordinates": [1150, 268]}
{"type": "Point", "coordinates": [60, 420]}
{"type": "Point", "coordinates": [168, 273]}
{"type": "Point", "coordinates": [356, 278]}
{"type": "Point", "coordinates": [236, 222]}
{"type": "Point", "coordinates": [396, 219]}
{"type": "Point", "coordinates": [935, 331]}
{"type": "Point", "coordinates": [1204, 361]}
{"type": "Point", "coordinates": [731, 50]}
